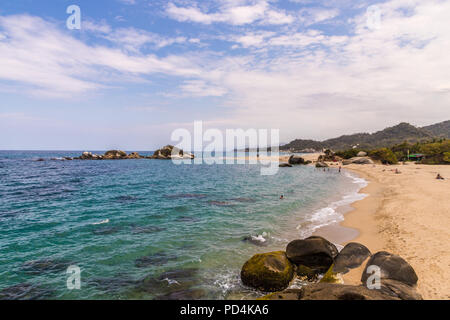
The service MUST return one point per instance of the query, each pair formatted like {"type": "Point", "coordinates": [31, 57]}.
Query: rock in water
{"type": "Point", "coordinates": [350, 257]}
{"type": "Point", "coordinates": [115, 154]}
{"type": "Point", "coordinates": [284, 165]}
{"type": "Point", "coordinates": [268, 272]}
{"type": "Point", "coordinates": [313, 252]}
{"type": "Point", "coordinates": [392, 267]}
{"type": "Point", "coordinates": [171, 152]}
{"type": "Point", "coordinates": [321, 165]}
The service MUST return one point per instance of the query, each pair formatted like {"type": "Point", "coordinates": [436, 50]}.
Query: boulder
{"type": "Point", "coordinates": [306, 273]}
{"type": "Point", "coordinates": [170, 152]}
{"type": "Point", "coordinates": [296, 160]}
{"type": "Point", "coordinates": [361, 154]}
{"type": "Point", "coordinates": [350, 257]}
{"type": "Point", "coordinates": [134, 155]}
{"type": "Point", "coordinates": [321, 165]}
{"type": "Point", "coordinates": [268, 272]}
{"type": "Point", "coordinates": [331, 276]}
{"type": "Point", "coordinates": [329, 291]}
{"type": "Point", "coordinates": [392, 267]}
{"type": "Point", "coordinates": [284, 165]}
{"type": "Point", "coordinates": [358, 160]}
{"type": "Point", "coordinates": [314, 252]}
{"type": "Point", "coordinates": [115, 154]}
{"type": "Point", "coordinates": [86, 155]}
{"type": "Point", "coordinates": [399, 290]}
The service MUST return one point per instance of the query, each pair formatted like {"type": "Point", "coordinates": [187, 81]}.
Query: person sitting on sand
{"type": "Point", "coordinates": [397, 171]}
{"type": "Point", "coordinates": [439, 177]}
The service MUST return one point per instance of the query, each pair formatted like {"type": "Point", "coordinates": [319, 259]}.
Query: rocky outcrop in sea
{"type": "Point", "coordinates": [168, 152]}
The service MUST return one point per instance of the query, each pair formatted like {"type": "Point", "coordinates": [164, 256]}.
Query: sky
{"type": "Point", "coordinates": [137, 70]}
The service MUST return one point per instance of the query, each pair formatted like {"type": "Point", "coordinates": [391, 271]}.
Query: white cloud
{"type": "Point", "coordinates": [50, 62]}
{"type": "Point", "coordinates": [232, 12]}
{"type": "Point", "coordinates": [199, 88]}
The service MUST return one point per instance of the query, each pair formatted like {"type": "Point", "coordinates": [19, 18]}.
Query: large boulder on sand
{"type": "Point", "coordinates": [314, 252]}
{"type": "Point", "coordinates": [268, 272]}
{"type": "Point", "coordinates": [350, 257]}
{"type": "Point", "coordinates": [358, 160]}
{"type": "Point", "coordinates": [392, 267]}
{"type": "Point", "coordinates": [296, 160]}
{"type": "Point", "coordinates": [361, 154]}
{"type": "Point", "coordinates": [328, 291]}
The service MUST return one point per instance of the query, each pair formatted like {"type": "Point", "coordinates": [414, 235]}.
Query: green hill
{"type": "Point", "coordinates": [384, 138]}
{"type": "Point", "coordinates": [441, 129]}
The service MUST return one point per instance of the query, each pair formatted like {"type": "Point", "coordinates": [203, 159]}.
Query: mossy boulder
{"type": "Point", "coordinates": [268, 272]}
{"type": "Point", "coordinates": [306, 273]}
{"type": "Point", "coordinates": [331, 277]}
{"type": "Point", "coordinates": [314, 252]}
{"type": "Point", "coordinates": [115, 154]}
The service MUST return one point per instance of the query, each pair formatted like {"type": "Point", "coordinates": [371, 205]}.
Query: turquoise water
{"type": "Point", "coordinates": [144, 229]}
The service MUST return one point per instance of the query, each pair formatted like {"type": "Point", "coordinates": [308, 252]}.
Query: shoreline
{"type": "Point", "coordinates": [405, 214]}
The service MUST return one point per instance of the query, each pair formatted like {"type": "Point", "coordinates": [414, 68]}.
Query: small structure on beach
{"type": "Point", "coordinates": [416, 157]}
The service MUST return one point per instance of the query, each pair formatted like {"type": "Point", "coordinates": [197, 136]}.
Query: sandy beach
{"type": "Point", "coordinates": [407, 214]}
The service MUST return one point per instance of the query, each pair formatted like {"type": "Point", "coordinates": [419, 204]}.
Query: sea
{"type": "Point", "coordinates": [151, 229]}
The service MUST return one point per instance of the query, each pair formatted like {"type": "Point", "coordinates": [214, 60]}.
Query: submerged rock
{"type": "Point", "coordinates": [314, 252]}
{"type": "Point", "coordinates": [350, 257]}
{"type": "Point", "coordinates": [259, 240]}
{"type": "Point", "coordinates": [270, 271]}
{"type": "Point", "coordinates": [188, 294]}
{"type": "Point", "coordinates": [392, 267]}
{"type": "Point", "coordinates": [147, 229]}
{"type": "Point", "coordinates": [105, 230]}
{"type": "Point", "coordinates": [25, 291]}
{"type": "Point", "coordinates": [45, 266]}
{"type": "Point", "coordinates": [156, 259]}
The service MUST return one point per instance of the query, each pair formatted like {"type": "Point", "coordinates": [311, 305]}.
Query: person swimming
{"type": "Point", "coordinates": [281, 197]}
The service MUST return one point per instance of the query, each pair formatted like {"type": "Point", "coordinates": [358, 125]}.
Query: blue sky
{"type": "Point", "coordinates": [138, 69]}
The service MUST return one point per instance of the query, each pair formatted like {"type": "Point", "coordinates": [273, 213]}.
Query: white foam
{"type": "Point", "coordinates": [101, 222]}
{"type": "Point", "coordinates": [329, 215]}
